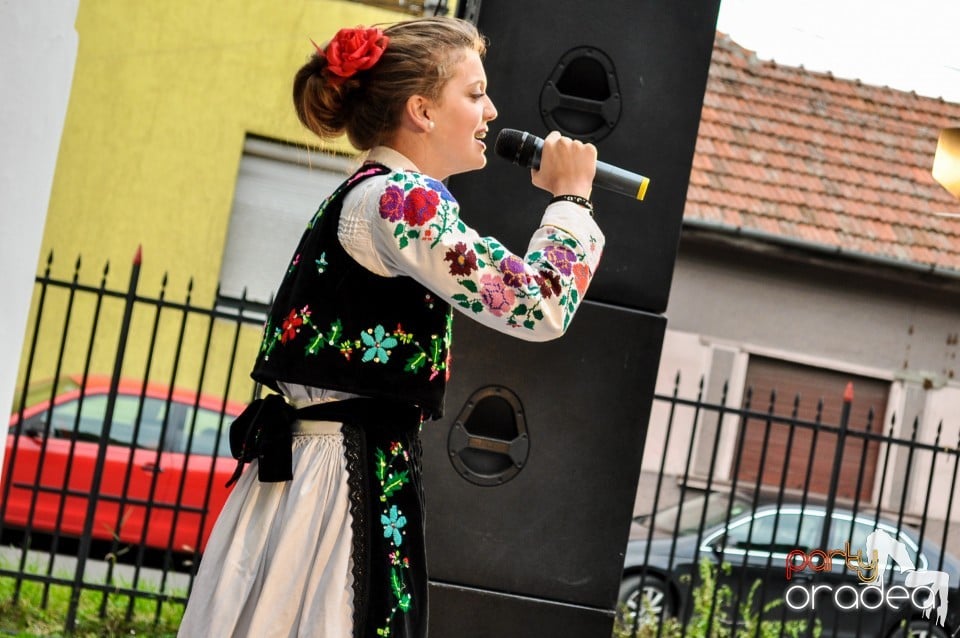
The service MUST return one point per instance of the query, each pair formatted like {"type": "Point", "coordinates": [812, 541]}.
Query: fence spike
{"type": "Point", "coordinates": [76, 267]}
{"type": "Point", "coordinates": [848, 393]}
{"type": "Point", "coordinates": [49, 258]}
{"type": "Point", "coordinates": [138, 257]}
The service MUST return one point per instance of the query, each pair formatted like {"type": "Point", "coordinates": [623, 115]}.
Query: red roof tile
{"type": "Point", "coordinates": [793, 154]}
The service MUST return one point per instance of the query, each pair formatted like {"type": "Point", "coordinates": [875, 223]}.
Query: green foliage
{"type": "Point", "coordinates": [711, 615]}
{"type": "Point", "coordinates": [28, 614]}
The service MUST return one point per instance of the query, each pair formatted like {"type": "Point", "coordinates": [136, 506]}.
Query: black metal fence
{"type": "Point", "coordinates": [118, 442]}
{"type": "Point", "coordinates": [757, 551]}
{"type": "Point", "coordinates": [119, 457]}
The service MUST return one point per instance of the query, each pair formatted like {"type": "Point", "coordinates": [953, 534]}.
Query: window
{"type": "Point", "coordinates": [208, 423]}
{"type": "Point", "coordinates": [777, 534]}
{"type": "Point", "coordinates": [89, 425]}
{"type": "Point", "coordinates": [840, 535]}
{"type": "Point", "coordinates": [279, 188]}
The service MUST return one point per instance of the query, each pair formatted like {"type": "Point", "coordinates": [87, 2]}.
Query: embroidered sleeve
{"type": "Point", "coordinates": [417, 231]}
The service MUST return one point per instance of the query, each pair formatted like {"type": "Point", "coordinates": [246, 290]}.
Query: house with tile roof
{"type": "Point", "coordinates": [818, 250]}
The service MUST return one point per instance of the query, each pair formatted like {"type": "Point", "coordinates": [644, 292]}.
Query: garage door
{"type": "Point", "coordinates": [802, 457]}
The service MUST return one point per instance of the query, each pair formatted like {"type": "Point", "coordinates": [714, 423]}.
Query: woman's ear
{"type": "Point", "coordinates": [417, 113]}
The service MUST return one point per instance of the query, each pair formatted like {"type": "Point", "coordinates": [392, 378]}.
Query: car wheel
{"type": "Point", "coordinates": [920, 629]}
{"type": "Point", "coordinates": [653, 602]}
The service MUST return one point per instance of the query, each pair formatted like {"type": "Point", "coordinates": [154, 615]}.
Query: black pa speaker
{"type": "Point", "coordinates": [530, 477]}
{"type": "Point", "coordinates": [627, 75]}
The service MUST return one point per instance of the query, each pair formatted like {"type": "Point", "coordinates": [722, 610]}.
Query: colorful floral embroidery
{"type": "Point", "coordinates": [392, 479]}
{"type": "Point", "coordinates": [391, 204]}
{"type": "Point", "coordinates": [462, 260]}
{"type": "Point", "coordinates": [420, 206]}
{"type": "Point", "coordinates": [513, 292]}
{"type": "Point", "coordinates": [495, 295]}
{"type": "Point", "coordinates": [392, 525]}
{"type": "Point", "coordinates": [372, 170]}
{"type": "Point", "coordinates": [426, 214]}
{"type": "Point", "coordinates": [291, 325]}
{"type": "Point", "coordinates": [549, 283]}
{"type": "Point", "coordinates": [378, 343]}
{"type": "Point", "coordinates": [561, 257]}
{"type": "Point", "coordinates": [514, 272]}
{"type": "Point", "coordinates": [323, 207]}
{"type": "Point", "coordinates": [581, 277]}
{"type": "Point", "coordinates": [375, 343]}
{"type": "Point", "coordinates": [296, 322]}
{"type": "Point", "coordinates": [491, 278]}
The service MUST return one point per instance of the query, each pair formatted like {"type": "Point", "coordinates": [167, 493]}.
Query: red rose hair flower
{"type": "Point", "coordinates": [353, 50]}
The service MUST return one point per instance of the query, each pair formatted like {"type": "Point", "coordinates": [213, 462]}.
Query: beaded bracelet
{"type": "Point", "coordinates": [575, 199]}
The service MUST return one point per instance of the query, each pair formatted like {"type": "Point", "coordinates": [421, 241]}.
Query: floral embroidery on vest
{"type": "Point", "coordinates": [376, 344]}
{"type": "Point", "coordinates": [391, 481]}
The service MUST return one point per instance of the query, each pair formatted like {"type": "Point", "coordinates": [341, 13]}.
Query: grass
{"type": "Point", "coordinates": [711, 615]}
{"type": "Point", "coordinates": [28, 616]}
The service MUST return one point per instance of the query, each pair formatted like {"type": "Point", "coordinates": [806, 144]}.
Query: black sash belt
{"type": "Point", "coordinates": [264, 430]}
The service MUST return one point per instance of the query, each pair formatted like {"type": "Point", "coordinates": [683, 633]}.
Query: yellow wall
{"type": "Point", "coordinates": [164, 93]}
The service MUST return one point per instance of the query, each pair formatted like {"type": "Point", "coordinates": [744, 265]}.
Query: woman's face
{"type": "Point", "coordinates": [460, 117]}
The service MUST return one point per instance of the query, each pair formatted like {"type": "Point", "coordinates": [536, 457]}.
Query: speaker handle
{"type": "Point", "coordinates": [471, 451]}
{"type": "Point", "coordinates": [516, 449]}
{"type": "Point", "coordinates": [588, 107]}
{"type": "Point", "coordinates": [553, 99]}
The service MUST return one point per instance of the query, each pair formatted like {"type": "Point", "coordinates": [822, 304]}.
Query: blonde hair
{"type": "Point", "coordinates": [419, 60]}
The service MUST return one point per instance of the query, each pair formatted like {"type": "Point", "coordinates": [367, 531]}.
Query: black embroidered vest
{"type": "Point", "coordinates": [334, 324]}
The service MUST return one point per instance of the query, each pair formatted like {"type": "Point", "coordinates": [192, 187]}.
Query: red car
{"type": "Point", "coordinates": [142, 481]}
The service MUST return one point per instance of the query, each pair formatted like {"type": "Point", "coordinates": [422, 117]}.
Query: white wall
{"type": "Point", "coordinates": [38, 50]}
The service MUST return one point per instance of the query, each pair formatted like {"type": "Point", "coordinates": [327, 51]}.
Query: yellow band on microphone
{"type": "Point", "coordinates": [643, 188]}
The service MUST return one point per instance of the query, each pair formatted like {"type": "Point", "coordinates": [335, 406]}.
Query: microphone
{"type": "Point", "coordinates": [524, 149]}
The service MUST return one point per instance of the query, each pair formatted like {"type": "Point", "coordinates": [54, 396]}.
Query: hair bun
{"type": "Point", "coordinates": [322, 103]}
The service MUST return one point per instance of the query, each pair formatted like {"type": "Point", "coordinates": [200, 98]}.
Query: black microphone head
{"type": "Point", "coordinates": [519, 147]}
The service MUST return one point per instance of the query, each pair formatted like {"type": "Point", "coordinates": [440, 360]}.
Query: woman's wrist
{"type": "Point", "coordinates": [583, 202]}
